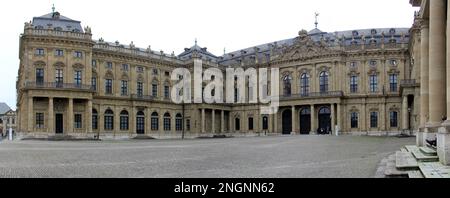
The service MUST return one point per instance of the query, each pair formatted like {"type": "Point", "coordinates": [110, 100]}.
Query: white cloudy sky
{"type": "Point", "coordinates": [172, 25]}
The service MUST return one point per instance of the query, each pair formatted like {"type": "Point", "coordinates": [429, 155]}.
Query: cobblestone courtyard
{"type": "Point", "coordinates": [296, 156]}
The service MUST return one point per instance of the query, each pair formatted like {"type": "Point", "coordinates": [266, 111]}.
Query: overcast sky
{"type": "Point", "coordinates": [172, 25]}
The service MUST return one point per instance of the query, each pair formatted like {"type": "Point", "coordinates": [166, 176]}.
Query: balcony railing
{"type": "Point", "coordinates": [47, 85]}
{"type": "Point", "coordinates": [408, 83]}
{"type": "Point", "coordinates": [142, 97]}
{"type": "Point", "coordinates": [313, 95]}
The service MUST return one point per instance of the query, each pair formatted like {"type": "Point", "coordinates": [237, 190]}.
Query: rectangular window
{"type": "Point", "coordinates": [77, 78]}
{"type": "Point", "coordinates": [167, 73]}
{"type": "Point", "coordinates": [373, 83]}
{"type": "Point", "coordinates": [94, 63]}
{"type": "Point", "coordinates": [354, 120]}
{"type": "Point", "coordinates": [155, 90]}
{"type": "Point", "coordinates": [39, 120]}
{"type": "Point", "coordinates": [39, 76]}
{"type": "Point", "coordinates": [354, 84]}
{"type": "Point", "coordinates": [78, 54]}
{"type": "Point", "coordinates": [140, 69]}
{"type": "Point", "coordinates": [94, 83]}
{"type": "Point", "coordinates": [40, 52]}
{"type": "Point", "coordinates": [78, 121]}
{"type": "Point", "coordinates": [394, 119]}
{"type": "Point", "coordinates": [59, 52]}
{"type": "Point", "coordinates": [140, 89]}
{"type": "Point", "coordinates": [124, 88]}
{"type": "Point", "coordinates": [108, 86]}
{"type": "Point", "coordinates": [124, 67]}
{"type": "Point", "coordinates": [374, 120]}
{"type": "Point", "coordinates": [59, 77]}
{"type": "Point", "coordinates": [166, 92]}
{"type": "Point", "coordinates": [109, 65]}
{"type": "Point", "coordinates": [155, 71]}
{"type": "Point", "coordinates": [393, 82]}
{"type": "Point", "coordinates": [250, 124]}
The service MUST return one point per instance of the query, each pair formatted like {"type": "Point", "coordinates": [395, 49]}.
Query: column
{"type": "Point", "coordinates": [30, 115]}
{"type": "Point", "coordinates": [203, 121]}
{"type": "Point", "coordinates": [230, 123]}
{"type": "Point", "coordinates": [275, 123]}
{"type": "Point", "coordinates": [313, 120]}
{"type": "Point", "coordinates": [222, 121]}
{"type": "Point", "coordinates": [405, 113]}
{"type": "Point", "coordinates": [89, 117]}
{"type": "Point", "coordinates": [363, 117]}
{"type": "Point", "coordinates": [333, 119]}
{"type": "Point", "coordinates": [424, 74]}
{"type": "Point", "coordinates": [293, 121]}
{"type": "Point", "coordinates": [51, 121]}
{"type": "Point", "coordinates": [448, 64]}
{"type": "Point", "coordinates": [437, 97]}
{"type": "Point", "coordinates": [338, 117]}
{"type": "Point", "coordinates": [70, 117]}
{"type": "Point", "coordinates": [213, 131]}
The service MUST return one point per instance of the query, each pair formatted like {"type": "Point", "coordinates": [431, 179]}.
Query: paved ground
{"type": "Point", "coordinates": [297, 156]}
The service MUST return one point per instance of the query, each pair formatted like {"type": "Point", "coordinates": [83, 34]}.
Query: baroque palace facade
{"type": "Point", "coordinates": [362, 81]}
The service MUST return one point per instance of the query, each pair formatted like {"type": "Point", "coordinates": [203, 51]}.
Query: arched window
{"type": "Point", "coordinates": [155, 121]}
{"type": "Point", "coordinates": [323, 81]}
{"type": "Point", "coordinates": [237, 124]}
{"type": "Point", "coordinates": [94, 119]}
{"type": "Point", "coordinates": [167, 122]}
{"type": "Point", "coordinates": [179, 122]}
{"type": "Point", "coordinates": [265, 123]}
{"type": "Point", "coordinates": [304, 85]}
{"type": "Point", "coordinates": [324, 110]}
{"type": "Point", "coordinates": [124, 120]}
{"type": "Point", "coordinates": [354, 117]}
{"type": "Point", "coordinates": [109, 120]}
{"type": "Point", "coordinates": [287, 82]}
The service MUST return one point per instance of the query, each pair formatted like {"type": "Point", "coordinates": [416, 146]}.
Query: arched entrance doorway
{"type": "Point", "coordinates": [287, 122]}
{"type": "Point", "coordinates": [140, 123]}
{"type": "Point", "coordinates": [305, 121]}
{"type": "Point", "coordinates": [324, 120]}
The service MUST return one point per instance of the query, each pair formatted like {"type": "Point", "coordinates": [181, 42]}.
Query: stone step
{"type": "Point", "coordinates": [434, 170]}
{"type": "Point", "coordinates": [391, 170]}
{"type": "Point", "coordinates": [403, 150]}
{"type": "Point", "coordinates": [428, 151]}
{"type": "Point", "coordinates": [412, 148]}
{"type": "Point", "coordinates": [424, 158]}
{"type": "Point", "coordinates": [415, 175]}
{"type": "Point", "coordinates": [406, 161]}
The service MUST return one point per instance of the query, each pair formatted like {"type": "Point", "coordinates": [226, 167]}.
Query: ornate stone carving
{"type": "Point", "coordinates": [303, 47]}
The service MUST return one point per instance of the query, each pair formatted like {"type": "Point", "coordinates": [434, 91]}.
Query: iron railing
{"type": "Point", "coordinates": [313, 95]}
{"type": "Point", "coordinates": [54, 85]}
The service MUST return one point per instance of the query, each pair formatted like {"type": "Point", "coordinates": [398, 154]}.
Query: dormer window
{"type": "Point", "coordinates": [39, 27]}
{"type": "Point", "coordinates": [58, 29]}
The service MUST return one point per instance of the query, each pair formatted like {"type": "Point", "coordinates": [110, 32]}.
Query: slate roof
{"type": "Point", "coordinates": [4, 108]}
{"type": "Point", "coordinates": [55, 20]}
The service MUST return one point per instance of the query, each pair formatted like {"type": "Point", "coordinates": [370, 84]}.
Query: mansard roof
{"type": "Point", "coordinates": [198, 51]}
{"type": "Point", "coordinates": [56, 21]}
